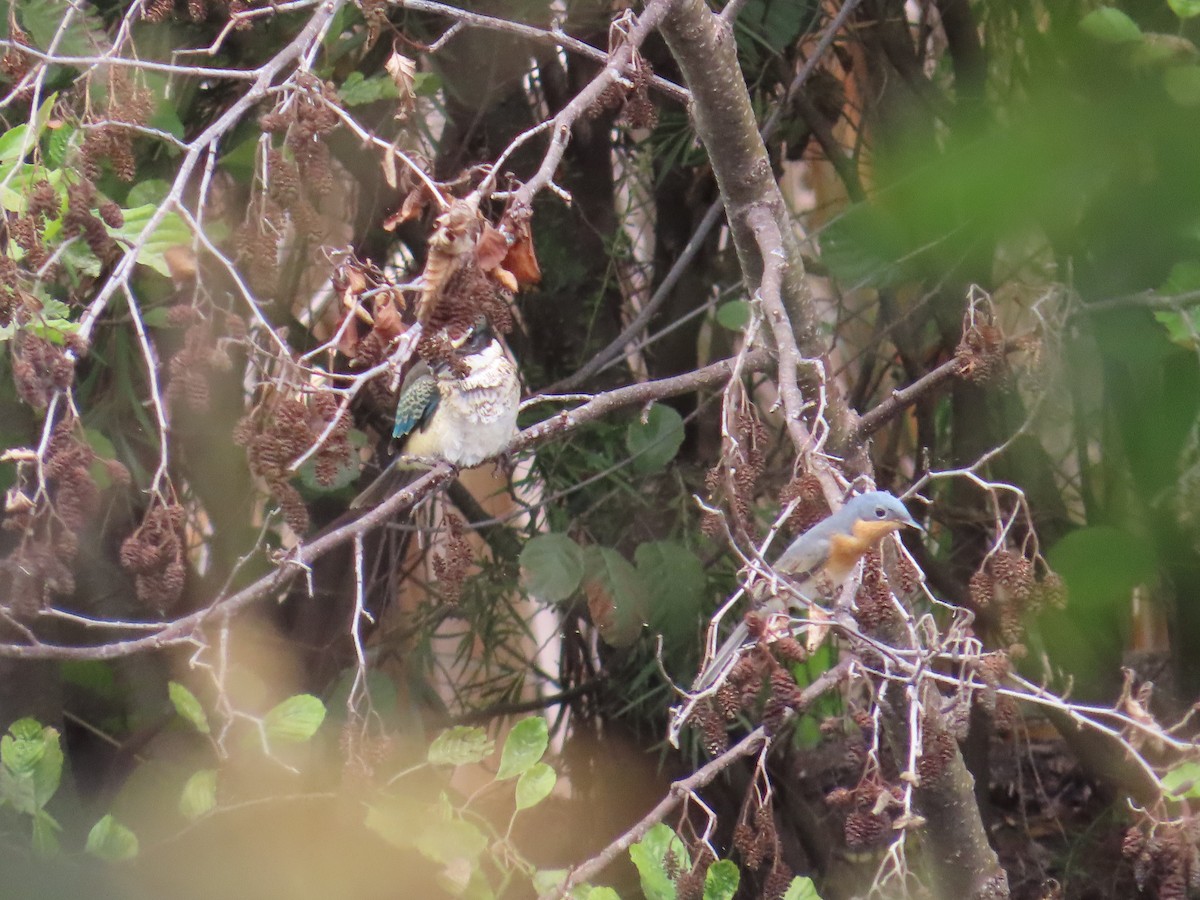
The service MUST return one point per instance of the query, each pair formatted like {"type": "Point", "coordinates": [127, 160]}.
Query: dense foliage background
{"type": "Point", "coordinates": [749, 259]}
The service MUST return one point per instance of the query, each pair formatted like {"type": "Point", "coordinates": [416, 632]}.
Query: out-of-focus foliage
{"type": "Point", "coordinates": [199, 265]}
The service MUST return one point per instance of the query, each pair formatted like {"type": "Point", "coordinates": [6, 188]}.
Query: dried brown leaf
{"type": "Point", "coordinates": [402, 69]}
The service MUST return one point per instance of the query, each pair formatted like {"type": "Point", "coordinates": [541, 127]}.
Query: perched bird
{"type": "Point", "coordinates": [446, 413]}
{"type": "Point", "coordinates": [825, 554]}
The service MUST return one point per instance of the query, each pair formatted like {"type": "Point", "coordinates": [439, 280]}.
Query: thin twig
{"type": "Point", "coordinates": [688, 786]}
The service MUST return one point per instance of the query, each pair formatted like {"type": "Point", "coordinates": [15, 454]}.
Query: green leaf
{"type": "Point", "coordinates": [1183, 84]}
{"type": "Point", "coordinates": [447, 841]}
{"type": "Point", "coordinates": [523, 747]}
{"type": "Point", "coordinates": [151, 191]}
{"type": "Point", "coordinates": [768, 26]}
{"type": "Point", "coordinates": [45, 834]}
{"type": "Point", "coordinates": [676, 584]}
{"type": "Point", "coordinates": [617, 596]}
{"type": "Point", "coordinates": [1110, 25]}
{"type": "Point", "coordinates": [654, 442]}
{"type": "Point", "coordinates": [187, 706]}
{"type": "Point", "coordinates": [199, 794]}
{"type": "Point", "coordinates": [649, 856]}
{"type": "Point", "coordinates": [426, 84]}
{"type": "Point", "coordinates": [551, 567]}
{"type": "Point", "coordinates": [172, 231]}
{"type": "Point", "coordinates": [12, 144]}
{"type": "Point", "coordinates": [802, 888]}
{"type": "Point", "coordinates": [377, 694]}
{"type": "Point", "coordinates": [1101, 565]}
{"type": "Point", "coordinates": [93, 675]}
{"type": "Point", "coordinates": [100, 443]}
{"type": "Point", "coordinates": [47, 774]}
{"type": "Point", "coordinates": [84, 34]}
{"type": "Point", "coordinates": [158, 317]}
{"type": "Point", "coordinates": [240, 160]}
{"type": "Point", "coordinates": [535, 785]}
{"type": "Point", "coordinates": [18, 791]}
{"type": "Point", "coordinates": [1182, 781]}
{"type": "Point", "coordinates": [721, 881]}
{"type": "Point", "coordinates": [734, 315]}
{"type": "Point", "coordinates": [16, 142]}
{"type": "Point", "coordinates": [1183, 278]}
{"type": "Point", "coordinates": [33, 761]}
{"type": "Point", "coordinates": [357, 90]}
{"type": "Point", "coordinates": [1161, 50]}
{"type": "Point", "coordinates": [1185, 9]}
{"type": "Point", "coordinates": [546, 880]}
{"type": "Point", "coordinates": [1182, 327]}
{"type": "Point", "coordinates": [166, 118]}
{"type": "Point", "coordinates": [23, 746]}
{"type": "Point", "coordinates": [111, 840]}
{"type": "Point", "coordinates": [862, 246]}
{"type": "Point", "coordinates": [58, 145]}
{"type": "Point", "coordinates": [393, 821]}
{"type": "Point", "coordinates": [296, 719]}
{"type": "Point", "coordinates": [460, 745]}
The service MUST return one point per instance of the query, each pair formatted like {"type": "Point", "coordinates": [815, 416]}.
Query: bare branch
{"type": "Point", "coordinates": [554, 37]}
{"type": "Point", "coordinates": [301, 558]}
{"type": "Point", "coordinates": [686, 787]}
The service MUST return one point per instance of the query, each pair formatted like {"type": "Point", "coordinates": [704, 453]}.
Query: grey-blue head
{"type": "Point", "coordinates": [874, 506]}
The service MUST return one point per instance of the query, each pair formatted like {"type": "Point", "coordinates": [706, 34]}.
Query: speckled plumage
{"type": "Point", "coordinates": [474, 417]}
{"type": "Point", "coordinates": [418, 399]}
{"type": "Point", "coordinates": [462, 420]}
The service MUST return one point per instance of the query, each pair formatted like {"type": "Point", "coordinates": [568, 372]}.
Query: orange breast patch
{"type": "Point", "coordinates": [845, 550]}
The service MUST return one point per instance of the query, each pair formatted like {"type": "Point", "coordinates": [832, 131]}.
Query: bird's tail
{"type": "Point", "coordinates": [724, 659]}
{"type": "Point", "coordinates": [386, 483]}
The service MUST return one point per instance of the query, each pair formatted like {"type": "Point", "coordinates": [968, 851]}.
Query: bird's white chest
{"type": "Point", "coordinates": [476, 417]}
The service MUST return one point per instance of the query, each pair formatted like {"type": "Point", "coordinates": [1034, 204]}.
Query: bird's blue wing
{"type": "Point", "coordinates": [809, 551]}
{"type": "Point", "coordinates": [418, 400]}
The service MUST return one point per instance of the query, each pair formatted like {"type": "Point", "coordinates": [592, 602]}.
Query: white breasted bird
{"type": "Point", "coordinates": [446, 413]}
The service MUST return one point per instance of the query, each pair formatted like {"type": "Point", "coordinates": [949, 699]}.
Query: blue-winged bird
{"type": "Point", "coordinates": [461, 410]}
{"type": "Point", "coordinates": [826, 555]}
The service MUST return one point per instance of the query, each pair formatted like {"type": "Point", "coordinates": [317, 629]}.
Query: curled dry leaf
{"type": "Point", "coordinates": [521, 260]}
{"type": "Point", "coordinates": [388, 322]}
{"type": "Point", "coordinates": [414, 205]}
{"type": "Point", "coordinates": [506, 253]}
{"type": "Point", "coordinates": [506, 279]}
{"type": "Point", "coordinates": [818, 629]}
{"type": "Point", "coordinates": [491, 248]}
{"type": "Point", "coordinates": [402, 69]}
{"type": "Point", "coordinates": [349, 281]}
{"type": "Point", "coordinates": [490, 253]}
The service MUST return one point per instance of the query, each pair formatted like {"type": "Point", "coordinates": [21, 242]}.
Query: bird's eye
{"type": "Point", "coordinates": [880, 512]}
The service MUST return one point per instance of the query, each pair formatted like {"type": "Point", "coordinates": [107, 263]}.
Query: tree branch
{"type": "Point", "coordinates": [711, 216]}
{"type": "Point", "coordinates": [767, 246]}
{"type": "Point", "coordinates": [902, 398]}
{"type": "Point", "coordinates": [302, 557]}
{"type": "Point", "coordinates": [560, 128]}
{"type": "Point", "coordinates": [687, 786]}
{"type": "Point", "coordinates": [553, 37]}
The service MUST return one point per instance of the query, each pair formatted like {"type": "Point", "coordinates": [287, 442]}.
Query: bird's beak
{"type": "Point", "coordinates": [913, 523]}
